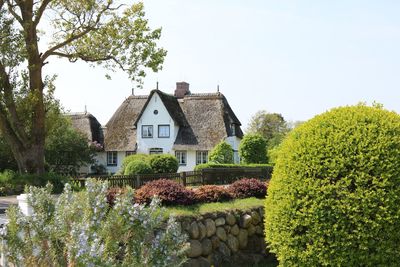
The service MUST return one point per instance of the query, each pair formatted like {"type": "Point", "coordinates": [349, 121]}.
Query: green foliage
{"type": "Point", "coordinates": [66, 149]}
{"type": "Point", "coordinates": [13, 183]}
{"type": "Point", "coordinates": [106, 33]}
{"type": "Point", "coordinates": [81, 229]}
{"type": "Point", "coordinates": [222, 153]}
{"type": "Point", "coordinates": [138, 167]}
{"type": "Point", "coordinates": [136, 157]}
{"type": "Point", "coordinates": [7, 161]}
{"type": "Point", "coordinates": [253, 149]}
{"type": "Point", "coordinates": [271, 126]}
{"type": "Point", "coordinates": [214, 165]}
{"type": "Point", "coordinates": [164, 163]}
{"type": "Point", "coordinates": [335, 192]}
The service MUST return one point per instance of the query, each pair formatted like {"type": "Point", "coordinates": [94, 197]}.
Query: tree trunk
{"type": "Point", "coordinates": [29, 161]}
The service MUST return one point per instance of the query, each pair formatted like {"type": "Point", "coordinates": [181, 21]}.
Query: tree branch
{"type": "Point", "coordinates": [13, 13]}
{"type": "Point", "coordinates": [15, 122]}
{"type": "Point", "coordinates": [40, 11]}
{"type": "Point", "coordinates": [77, 36]}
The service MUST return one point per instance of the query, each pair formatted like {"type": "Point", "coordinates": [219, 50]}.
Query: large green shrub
{"type": "Point", "coordinates": [140, 157]}
{"type": "Point", "coordinates": [253, 149]}
{"type": "Point", "coordinates": [334, 196]}
{"type": "Point", "coordinates": [138, 167]}
{"type": "Point", "coordinates": [221, 153]}
{"type": "Point", "coordinates": [164, 163]}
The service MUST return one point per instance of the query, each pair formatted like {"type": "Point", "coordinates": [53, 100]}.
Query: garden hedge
{"type": "Point", "coordinates": [138, 167]}
{"type": "Point", "coordinates": [253, 149]}
{"type": "Point", "coordinates": [334, 196]}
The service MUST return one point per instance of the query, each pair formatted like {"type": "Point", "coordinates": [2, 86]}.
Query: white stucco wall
{"type": "Point", "coordinates": [162, 118]}
{"type": "Point", "coordinates": [234, 141]}
{"type": "Point", "coordinates": [101, 158]}
{"type": "Point", "coordinates": [191, 161]}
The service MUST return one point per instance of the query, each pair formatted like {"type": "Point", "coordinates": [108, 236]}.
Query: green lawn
{"type": "Point", "coordinates": [194, 210]}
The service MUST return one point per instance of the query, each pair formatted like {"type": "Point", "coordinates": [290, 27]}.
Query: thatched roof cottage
{"type": "Point", "coordinates": [184, 124]}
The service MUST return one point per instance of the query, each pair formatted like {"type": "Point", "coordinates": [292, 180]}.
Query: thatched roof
{"type": "Point", "coordinates": [120, 132]}
{"type": "Point", "coordinates": [204, 120]}
{"type": "Point", "coordinates": [88, 125]}
{"type": "Point", "coordinates": [210, 119]}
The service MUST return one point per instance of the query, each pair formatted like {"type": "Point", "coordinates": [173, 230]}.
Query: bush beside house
{"type": "Point", "coordinates": [335, 192]}
{"type": "Point", "coordinates": [253, 149]}
{"type": "Point", "coordinates": [222, 153]}
{"type": "Point", "coordinates": [164, 163]}
{"type": "Point", "coordinates": [138, 167]}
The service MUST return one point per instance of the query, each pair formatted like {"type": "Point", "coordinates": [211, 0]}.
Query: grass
{"type": "Point", "coordinates": [198, 209]}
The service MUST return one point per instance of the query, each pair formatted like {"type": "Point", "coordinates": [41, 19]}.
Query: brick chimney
{"type": "Point", "coordinates": [182, 89]}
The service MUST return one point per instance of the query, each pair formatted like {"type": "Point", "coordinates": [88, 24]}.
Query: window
{"type": "Point", "coordinates": [181, 156]}
{"type": "Point", "coordinates": [112, 158]}
{"type": "Point", "coordinates": [128, 153]}
{"type": "Point", "coordinates": [155, 150]}
{"type": "Point", "coordinates": [201, 157]}
{"type": "Point", "coordinates": [163, 131]}
{"type": "Point", "coordinates": [147, 131]}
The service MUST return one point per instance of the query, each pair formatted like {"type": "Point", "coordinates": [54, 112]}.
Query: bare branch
{"type": "Point", "coordinates": [41, 10]}
{"type": "Point", "coordinates": [13, 13]}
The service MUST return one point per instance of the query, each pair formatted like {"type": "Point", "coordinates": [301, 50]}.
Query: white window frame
{"type": "Point", "coordinates": [160, 127]}
{"type": "Point", "coordinates": [155, 151]}
{"type": "Point", "coordinates": [145, 133]}
{"type": "Point", "coordinates": [181, 156]}
{"type": "Point", "coordinates": [112, 158]}
{"type": "Point", "coordinates": [201, 157]}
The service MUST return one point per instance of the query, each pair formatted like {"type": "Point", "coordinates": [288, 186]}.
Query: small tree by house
{"type": "Point", "coordinates": [222, 153]}
{"type": "Point", "coordinates": [253, 149]}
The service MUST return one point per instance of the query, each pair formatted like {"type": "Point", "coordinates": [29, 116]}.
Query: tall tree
{"type": "Point", "coordinates": [95, 31]}
{"type": "Point", "coordinates": [271, 126]}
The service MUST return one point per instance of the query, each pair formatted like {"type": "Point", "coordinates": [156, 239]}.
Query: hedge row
{"type": "Point", "coordinates": [215, 165]}
{"type": "Point", "coordinates": [173, 193]}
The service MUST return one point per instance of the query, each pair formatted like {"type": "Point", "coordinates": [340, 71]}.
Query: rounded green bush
{"type": "Point", "coordinates": [222, 153]}
{"type": "Point", "coordinates": [253, 149]}
{"type": "Point", "coordinates": [130, 158]}
{"type": "Point", "coordinates": [334, 196]}
{"type": "Point", "coordinates": [164, 163]}
{"type": "Point", "coordinates": [138, 167]}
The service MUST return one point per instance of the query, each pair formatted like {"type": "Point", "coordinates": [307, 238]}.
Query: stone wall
{"type": "Point", "coordinates": [232, 238]}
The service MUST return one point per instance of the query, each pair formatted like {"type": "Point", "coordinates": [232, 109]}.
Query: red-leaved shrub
{"type": "Point", "coordinates": [112, 194]}
{"type": "Point", "coordinates": [211, 193]}
{"type": "Point", "coordinates": [248, 188]}
{"type": "Point", "coordinates": [170, 193]}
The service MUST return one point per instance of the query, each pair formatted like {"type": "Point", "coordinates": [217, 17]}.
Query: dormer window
{"type": "Point", "coordinates": [147, 131]}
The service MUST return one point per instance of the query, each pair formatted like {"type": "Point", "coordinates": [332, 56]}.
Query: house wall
{"type": "Point", "coordinates": [234, 141]}
{"type": "Point", "coordinates": [101, 158]}
{"type": "Point", "coordinates": [162, 118]}
{"type": "Point", "coordinates": [191, 161]}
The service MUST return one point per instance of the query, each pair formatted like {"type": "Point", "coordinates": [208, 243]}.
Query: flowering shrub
{"type": "Point", "coordinates": [169, 192]}
{"type": "Point", "coordinates": [211, 193]}
{"type": "Point", "coordinates": [80, 229]}
{"type": "Point", "coordinates": [248, 188]}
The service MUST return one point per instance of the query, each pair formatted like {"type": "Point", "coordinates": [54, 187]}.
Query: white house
{"type": "Point", "coordinates": [184, 124]}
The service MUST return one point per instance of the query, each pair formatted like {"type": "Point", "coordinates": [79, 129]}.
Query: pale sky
{"type": "Point", "coordinates": [298, 58]}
